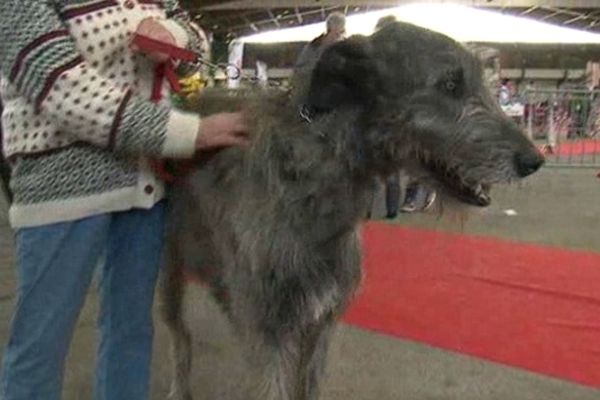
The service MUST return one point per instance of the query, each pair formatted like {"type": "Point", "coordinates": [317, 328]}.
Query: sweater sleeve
{"type": "Point", "coordinates": [39, 57]}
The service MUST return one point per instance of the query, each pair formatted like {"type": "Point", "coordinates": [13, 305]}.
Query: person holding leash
{"type": "Point", "coordinates": [79, 131]}
{"type": "Point", "coordinates": [335, 31]}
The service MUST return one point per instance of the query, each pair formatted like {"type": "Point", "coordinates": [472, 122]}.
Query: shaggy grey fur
{"type": "Point", "coordinates": [273, 228]}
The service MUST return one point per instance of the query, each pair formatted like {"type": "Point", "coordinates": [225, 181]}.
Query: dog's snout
{"type": "Point", "coordinates": [529, 162]}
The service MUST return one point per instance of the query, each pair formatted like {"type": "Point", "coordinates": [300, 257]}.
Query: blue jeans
{"type": "Point", "coordinates": [55, 267]}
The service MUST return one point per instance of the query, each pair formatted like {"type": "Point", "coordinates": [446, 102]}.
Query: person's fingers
{"type": "Point", "coordinates": [156, 31]}
{"type": "Point", "coordinates": [237, 141]}
{"type": "Point", "coordinates": [239, 129]}
{"type": "Point", "coordinates": [236, 117]}
{"type": "Point", "coordinates": [223, 130]}
{"type": "Point", "coordinates": [158, 57]}
{"type": "Point", "coordinates": [227, 141]}
{"type": "Point", "coordinates": [243, 143]}
{"type": "Point", "coordinates": [233, 139]}
{"type": "Point", "coordinates": [238, 124]}
{"type": "Point", "coordinates": [162, 35]}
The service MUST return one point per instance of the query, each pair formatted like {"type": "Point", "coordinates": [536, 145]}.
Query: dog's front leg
{"type": "Point", "coordinates": [173, 289]}
{"type": "Point", "coordinates": [281, 369]}
{"type": "Point", "coordinates": [295, 364]}
{"type": "Point", "coordinates": [315, 346]}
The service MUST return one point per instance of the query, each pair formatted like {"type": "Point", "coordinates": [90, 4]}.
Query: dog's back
{"type": "Point", "coordinates": [238, 208]}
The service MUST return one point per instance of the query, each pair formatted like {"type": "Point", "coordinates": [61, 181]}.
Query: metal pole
{"type": "Point", "coordinates": [531, 108]}
{"type": "Point", "coordinates": [551, 135]}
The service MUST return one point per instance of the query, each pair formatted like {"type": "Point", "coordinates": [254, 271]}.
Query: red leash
{"type": "Point", "coordinates": [164, 71]}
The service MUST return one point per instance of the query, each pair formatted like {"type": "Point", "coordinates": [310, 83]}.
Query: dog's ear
{"type": "Point", "coordinates": [344, 75]}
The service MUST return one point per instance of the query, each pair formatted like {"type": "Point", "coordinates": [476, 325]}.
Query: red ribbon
{"type": "Point", "coordinates": [159, 76]}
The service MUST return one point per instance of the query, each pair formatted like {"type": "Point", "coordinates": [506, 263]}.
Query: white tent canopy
{"type": "Point", "coordinates": [462, 23]}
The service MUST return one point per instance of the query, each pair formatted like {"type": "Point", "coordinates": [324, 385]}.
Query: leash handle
{"type": "Point", "coordinates": [149, 45]}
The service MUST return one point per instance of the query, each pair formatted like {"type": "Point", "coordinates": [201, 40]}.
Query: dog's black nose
{"type": "Point", "coordinates": [528, 163]}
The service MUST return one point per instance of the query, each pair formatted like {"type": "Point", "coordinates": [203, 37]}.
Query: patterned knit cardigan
{"type": "Point", "coordinates": [78, 125]}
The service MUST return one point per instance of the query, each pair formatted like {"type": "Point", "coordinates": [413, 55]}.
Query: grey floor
{"type": "Point", "coordinates": [556, 207]}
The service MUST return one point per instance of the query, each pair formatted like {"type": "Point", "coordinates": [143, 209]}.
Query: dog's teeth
{"type": "Point", "coordinates": [484, 199]}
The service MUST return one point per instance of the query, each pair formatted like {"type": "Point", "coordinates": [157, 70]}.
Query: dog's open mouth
{"type": "Point", "coordinates": [476, 194]}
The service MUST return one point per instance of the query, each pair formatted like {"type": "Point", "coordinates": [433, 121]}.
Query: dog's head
{"type": "Point", "coordinates": [423, 106]}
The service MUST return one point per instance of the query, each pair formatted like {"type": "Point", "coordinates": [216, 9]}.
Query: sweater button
{"type": "Point", "coordinates": [129, 4]}
{"type": "Point", "coordinates": [149, 189]}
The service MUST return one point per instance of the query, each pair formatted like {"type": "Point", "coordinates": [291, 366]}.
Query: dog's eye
{"type": "Point", "coordinates": [451, 83]}
{"type": "Point", "coordinates": [450, 86]}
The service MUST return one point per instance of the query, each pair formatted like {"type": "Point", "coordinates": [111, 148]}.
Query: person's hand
{"type": "Point", "coordinates": [153, 29]}
{"type": "Point", "coordinates": [222, 130]}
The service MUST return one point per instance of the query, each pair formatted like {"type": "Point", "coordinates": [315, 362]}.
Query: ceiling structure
{"type": "Point", "coordinates": [234, 18]}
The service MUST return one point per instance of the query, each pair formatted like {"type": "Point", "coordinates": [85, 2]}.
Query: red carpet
{"type": "Point", "coordinates": [524, 305]}
{"type": "Point", "coordinates": [578, 147]}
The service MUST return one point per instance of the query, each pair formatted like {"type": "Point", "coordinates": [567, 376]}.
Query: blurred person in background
{"type": "Point", "coordinates": [335, 31]}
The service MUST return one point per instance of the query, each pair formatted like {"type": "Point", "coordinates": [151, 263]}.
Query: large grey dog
{"type": "Point", "coordinates": [273, 228]}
